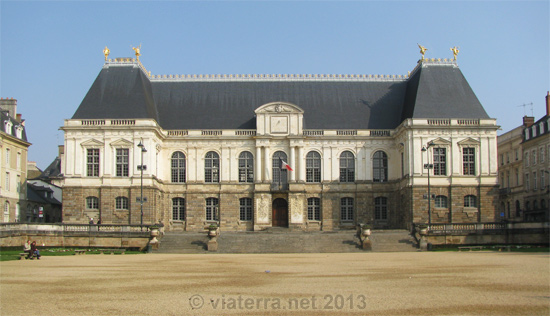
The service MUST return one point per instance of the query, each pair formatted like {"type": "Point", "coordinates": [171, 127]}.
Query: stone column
{"type": "Point", "coordinates": [267, 164]}
{"type": "Point", "coordinates": [300, 168]}
{"type": "Point", "coordinates": [292, 163]}
{"type": "Point", "coordinates": [258, 160]}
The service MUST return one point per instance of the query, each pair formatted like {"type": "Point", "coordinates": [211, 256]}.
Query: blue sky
{"type": "Point", "coordinates": [51, 51]}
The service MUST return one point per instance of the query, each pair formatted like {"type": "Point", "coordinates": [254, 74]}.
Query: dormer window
{"type": "Point", "coordinates": [7, 126]}
{"type": "Point", "coordinates": [19, 131]}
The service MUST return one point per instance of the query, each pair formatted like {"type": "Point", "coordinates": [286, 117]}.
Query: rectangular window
{"type": "Point", "coordinates": [542, 180]}
{"type": "Point", "coordinates": [535, 180]}
{"type": "Point", "coordinates": [527, 182]}
{"type": "Point", "coordinates": [18, 161]}
{"type": "Point", "coordinates": [178, 209]}
{"type": "Point", "coordinates": [7, 181]}
{"type": "Point", "coordinates": [468, 161]}
{"type": "Point", "coordinates": [541, 154]}
{"type": "Point", "coordinates": [92, 203]}
{"type": "Point", "coordinates": [245, 212]}
{"type": "Point", "coordinates": [93, 162]}
{"type": "Point", "coordinates": [517, 154]}
{"type": "Point", "coordinates": [440, 161]}
{"type": "Point", "coordinates": [313, 209]}
{"type": "Point", "coordinates": [346, 209]}
{"type": "Point", "coordinates": [211, 209]}
{"type": "Point", "coordinates": [507, 157]}
{"type": "Point", "coordinates": [534, 155]}
{"type": "Point", "coordinates": [18, 184]}
{"type": "Point", "coordinates": [8, 154]}
{"type": "Point", "coordinates": [517, 177]}
{"type": "Point", "coordinates": [381, 208]}
{"type": "Point", "coordinates": [526, 159]}
{"type": "Point", "coordinates": [122, 162]}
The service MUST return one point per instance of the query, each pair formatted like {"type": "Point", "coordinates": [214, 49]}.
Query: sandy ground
{"type": "Point", "coordinates": [416, 283]}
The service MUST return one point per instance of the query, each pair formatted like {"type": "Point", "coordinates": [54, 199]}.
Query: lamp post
{"type": "Point", "coordinates": [428, 166]}
{"type": "Point", "coordinates": [141, 167]}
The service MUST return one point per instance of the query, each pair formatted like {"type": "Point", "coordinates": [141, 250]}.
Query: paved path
{"type": "Point", "coordinates": [415, 283]}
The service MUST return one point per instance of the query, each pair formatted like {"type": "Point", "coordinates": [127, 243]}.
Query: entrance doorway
{"type": "Point", "coordinates": [280, 213]}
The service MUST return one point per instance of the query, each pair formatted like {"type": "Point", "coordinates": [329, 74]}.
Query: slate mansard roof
{"type": "Point", "coordinates": [433, 90]}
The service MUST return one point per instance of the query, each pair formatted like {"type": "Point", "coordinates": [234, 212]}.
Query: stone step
{"type": "Point", "coordinates": [286, 241]}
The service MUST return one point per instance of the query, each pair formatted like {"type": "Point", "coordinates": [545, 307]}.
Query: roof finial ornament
{"type": "Point", "coordinates": [106, 52]}
{"type": "Point", "coordinates": [138, 51]}
{"type": "Point", "coordinates": [422, 50]}
{"type": "Point", "coordinates": [455, 51]}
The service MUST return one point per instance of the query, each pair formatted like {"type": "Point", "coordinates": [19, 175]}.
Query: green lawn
{"type": "Point", "coordinates": [13, 254]}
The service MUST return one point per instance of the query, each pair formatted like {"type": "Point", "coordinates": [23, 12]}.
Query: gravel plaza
{"type": "Point", "coordinates": [415, 283]}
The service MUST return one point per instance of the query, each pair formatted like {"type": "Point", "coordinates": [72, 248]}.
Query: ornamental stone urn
{"type": "Point", "coordinates": [154, 233]}
{"type": "Point", "coordinates": [423, 239]}
{"type": "Point", "coordinates": [213, 233]}
{"type": "Point", "coordinates": [363, 233]}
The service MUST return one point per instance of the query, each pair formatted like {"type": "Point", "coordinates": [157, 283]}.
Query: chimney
{"type": "Point", "coordinates": [9, 105]}
{"type": "Point", "coordinates": [528, 121]}
{"type": "Point", "coordinates": [547, 103]}
{"type": "Point", "coordinates": [18, 119]}
{"type": "Point", "coordinates": [61, 150]}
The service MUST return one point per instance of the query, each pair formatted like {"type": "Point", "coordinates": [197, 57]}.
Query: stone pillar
{"type": "Point", "coordinates": [292, 163]}
{"type": "Point", "coordinates": [258, 173]}
{"type": "Point", "coordinates": [267, 164]}
{"type": "Point", "coordinates": [300, 168]}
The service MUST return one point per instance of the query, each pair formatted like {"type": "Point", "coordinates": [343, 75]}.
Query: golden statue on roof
{"type": "Point", "coordinates": [455, 51]}
{"type": "Point", "coordinates": [138, 51]}
{"type": "Point", "coordinates": [106, 52]}
{"type": "Point", "coordinates": [422, 50]}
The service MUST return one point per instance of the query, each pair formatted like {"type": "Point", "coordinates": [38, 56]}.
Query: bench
{"type": "Point", "coordinates": [470, 248]}
{"type": "Point", "coordinates": [23, 255]}
{"type": "Point", "coordinates": [112, 251]}
{"type": "Point", "coordinates": [79, 252]}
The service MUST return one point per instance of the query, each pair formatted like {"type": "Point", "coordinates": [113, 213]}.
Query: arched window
{"type": "Point", "coordinates": [527, 206]}
{"type": "Point", "coordinates": [121, 203]}
{"type": "Point", "coordinates": [92, 203]}
{"type": "Point", "coordinates": [313, 167]}
{"type": "Point", "coordinates": [178, 209]}
{"type": "Point", "coordinates": [535, 205]}
{"type": "Point", "coordinates": [441, 201]}
{"type": "Point", "coordinates": [212, 209]}
{"type": "Point", "coordinates": [347, 167]}
{"type": "Point", "coordinates": [246, 167]}
{"type": "Point", "coordinates": [178, 167]}
{"type": "Point", "coordinates": [280, 174]}
{"type": "Point", "coordinates": [245, 212]}
{"type": "Point", "coordinates": [542, 204]}
{"type": "Point", "coordinates": [313, 209]}
{"type": "Point", "coordinates": [212, 167]}
{"type": "Point", "coordinates": [380, 167]}
{"type": "Point", "coordinates": [470, 201]}
{"type": "Point", "coordinates": [518, 209]}
{"type": "Point", "coordinates": [381, 208]}
{"type": "Point", "coordinates": [346, 209]}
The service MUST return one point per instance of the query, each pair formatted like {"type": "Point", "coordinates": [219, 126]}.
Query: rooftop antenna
{"type": "Point", "coordinates": [524, 105]}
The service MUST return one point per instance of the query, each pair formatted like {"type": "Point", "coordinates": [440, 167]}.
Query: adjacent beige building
{"type": "Point", "coordinates": [13, 163]}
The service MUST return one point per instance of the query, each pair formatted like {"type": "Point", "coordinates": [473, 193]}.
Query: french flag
{"type": "Point", "coordinates": [284, 165]}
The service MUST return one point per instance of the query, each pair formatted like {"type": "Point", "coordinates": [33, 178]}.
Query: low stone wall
{"type": "Point", "coordinates": [489, 233]}
{"type": "Point", "coordinates": [63, 235]}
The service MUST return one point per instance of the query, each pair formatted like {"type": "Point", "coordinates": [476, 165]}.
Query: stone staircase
{"type": "Point", "coordinates": [281, 240]}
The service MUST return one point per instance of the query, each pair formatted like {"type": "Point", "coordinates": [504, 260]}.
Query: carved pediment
{"type": "Point", "coordinates": [440, 142]}
{"type": "Point", "coordinates": [278, 108]}
{"type": "Point", "coordinates": [122, 143]}
{"type": "Point", "coordinates": [468, 142]}
{"type": "Point", "coordinates": [92, 143]}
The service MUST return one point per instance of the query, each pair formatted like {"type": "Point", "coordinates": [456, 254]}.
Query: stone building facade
{"type": "Point", "coordinates": [13, 163]}
{"type": "Point", "coordinates": [309, 152]}
{"type": "Point", "coordinates": [536, 168]}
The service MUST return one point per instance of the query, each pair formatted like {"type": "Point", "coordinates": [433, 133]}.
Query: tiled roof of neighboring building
{"type": "Point", "coordinates": [434, 90]}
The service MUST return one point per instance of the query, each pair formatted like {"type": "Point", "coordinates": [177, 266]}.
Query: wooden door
{"type": "Point", "coordinates": [280, 213]}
